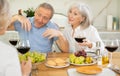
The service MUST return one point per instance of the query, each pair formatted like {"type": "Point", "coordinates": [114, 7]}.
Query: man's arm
{"type": "Point", "coordinates": [25, 23]}
{"type": "Point", "coordinates": [61, 42]}
{"type": "Point", "coordinates": [11, 25]}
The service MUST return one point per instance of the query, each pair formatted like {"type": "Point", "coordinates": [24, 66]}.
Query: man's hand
{"type": "Point", "coordinates": [50, 33]}
{"type": "Point", "coordinates": [25, 23]}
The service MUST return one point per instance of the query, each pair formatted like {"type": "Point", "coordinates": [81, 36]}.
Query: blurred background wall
{"type": "Point", "coordinates": [100, 8]}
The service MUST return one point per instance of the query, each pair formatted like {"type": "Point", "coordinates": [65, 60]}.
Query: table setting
{"type": "Point", "coordinates": [71, 69]}
{"type": "Point", "coordinates": [80, 63]}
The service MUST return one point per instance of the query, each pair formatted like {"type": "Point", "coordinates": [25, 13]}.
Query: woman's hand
{"type": "Point", "coordinates": [86, 43]}
{"type": "Point", "coordinates": [26, 67]}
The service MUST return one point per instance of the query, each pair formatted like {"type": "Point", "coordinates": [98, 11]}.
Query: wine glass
{"type": "Point", "coordinates": [13, 38]}
{"type": "Point", "coordinates": [23, 46]}
{"type": "Point", "coordinates": [79, 38]}
{"type": "Point", "coordinates": [111, 46]}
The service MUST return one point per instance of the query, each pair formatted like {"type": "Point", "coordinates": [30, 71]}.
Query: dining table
{"type": "Point", "coordinates": [41, 69]}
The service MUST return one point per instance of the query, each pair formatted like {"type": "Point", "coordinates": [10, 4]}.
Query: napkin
{"type": "Point", "coordinates": [115, 68]}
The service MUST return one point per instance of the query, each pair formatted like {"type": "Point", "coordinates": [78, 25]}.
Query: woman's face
{"type": "Point", "coordinates": [74, 17]}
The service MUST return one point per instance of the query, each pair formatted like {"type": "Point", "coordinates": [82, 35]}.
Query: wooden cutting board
{"type": "Point", "coordinates": [105, 72]}
{"type": "Point", "coordinates": [89, 69]}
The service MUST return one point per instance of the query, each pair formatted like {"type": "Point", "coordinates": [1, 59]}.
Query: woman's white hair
{"type": "Point", "coordinates": [85, 12]}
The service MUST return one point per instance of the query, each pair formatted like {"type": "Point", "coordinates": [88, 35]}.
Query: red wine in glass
{"type": "Point", "coordinates": [23, 46]}
{"type": "Point", "coordinates": [23, 50]}
{"type": "Point", "coordinates": [111, 48]}
{"type": "Point", "coordinates": [13, 42]}
{"type": "Point", "coordinates": [79, 39]}
{"type": "Point", "coordinates": [13, 38]}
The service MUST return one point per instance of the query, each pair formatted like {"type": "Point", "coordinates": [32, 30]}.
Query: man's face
{"type": "Point", "coordinates": [42, 16]}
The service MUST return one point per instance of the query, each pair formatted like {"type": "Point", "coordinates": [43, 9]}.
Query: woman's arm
{"type": "Point", "coordinates": [26, 67]}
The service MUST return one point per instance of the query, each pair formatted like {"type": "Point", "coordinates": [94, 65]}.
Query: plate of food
{"type": "Point", "coordinates": [84, 64]}
{"type": "Point", "coordinates": [36, 57]}
{"type": "Point", "coordinates": [89, 70]}
{"type": "Point", "coordinates": [81, 58]}
{"type": "Point", "coordinates": [57, 63]}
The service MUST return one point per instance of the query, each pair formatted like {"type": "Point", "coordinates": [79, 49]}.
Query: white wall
{"type": "Point", "coordinates": [62, 7]}
{"type": "Point", "coordinates": [119, 11]}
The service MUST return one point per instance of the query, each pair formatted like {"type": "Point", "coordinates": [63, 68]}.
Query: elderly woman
{"type": "Point", "coordinates": [79, 19]}
{"type": "Point", "coordinates": [9, 62]}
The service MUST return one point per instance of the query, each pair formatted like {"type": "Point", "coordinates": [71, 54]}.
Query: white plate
{"type": "Point", "coordinates": [92, 54]}
{"type": "Point", "coordinates": [94, 62]}
{"type": "Point", "coordinates": [67, 64]}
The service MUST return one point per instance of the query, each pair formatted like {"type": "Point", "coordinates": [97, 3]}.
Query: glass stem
{"type": "Point", "coordinates": [111, 58]}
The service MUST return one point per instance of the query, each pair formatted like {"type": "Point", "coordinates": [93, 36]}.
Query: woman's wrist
{"type": "Point", "coordinates": [25, 75]}
{"type": "Point", "coordinates": [89, 45]}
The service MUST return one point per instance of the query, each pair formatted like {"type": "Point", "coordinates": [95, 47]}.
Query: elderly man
{"type": "Point", "coordinates": [41, 32]}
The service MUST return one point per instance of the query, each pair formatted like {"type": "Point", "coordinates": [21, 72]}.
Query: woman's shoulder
{"type": "Point", "coordinates": [92, 28]}
{"type": "Point", "coordinates": [7, 48]}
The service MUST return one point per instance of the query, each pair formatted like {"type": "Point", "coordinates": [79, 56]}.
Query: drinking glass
{"type": "Point", "coordinates": [111, 46]}
{"type": "Point", "coordinates": [13, 38]}
{"type": "Point", "coordinates": [79, 38]}
{"type": "Point", "coordinates": [23, 46]}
